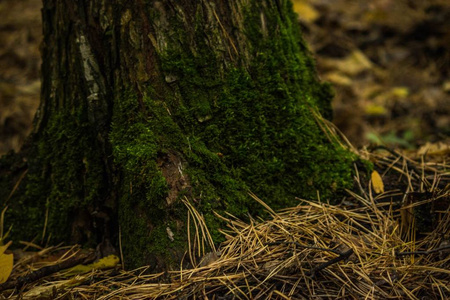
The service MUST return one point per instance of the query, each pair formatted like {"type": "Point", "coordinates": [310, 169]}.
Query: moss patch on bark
{"type": "Point", "coordinates": [228, 125]}
{"type": "Point", "coordinates": [64, 179]}
{"type": "Point", "coordinates": [239, 127]}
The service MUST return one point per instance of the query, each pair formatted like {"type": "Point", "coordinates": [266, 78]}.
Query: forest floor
{"type": "Point", "coordinates": [389, 62]}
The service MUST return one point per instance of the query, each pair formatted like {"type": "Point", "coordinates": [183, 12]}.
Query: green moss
{"type": "Point", "coordinates": [240, 129]}
{"type": "Point", "coordinates": [259, 118]}
{"type": "Point", "coordinates": [240, 125]}
{"type": "Point", "coordinates": [137, 138]}
{"type": "Point", "coordinates": [64, 176]}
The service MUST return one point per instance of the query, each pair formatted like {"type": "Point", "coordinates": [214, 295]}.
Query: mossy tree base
{"type": "Point", "coordinates": [147, 102]}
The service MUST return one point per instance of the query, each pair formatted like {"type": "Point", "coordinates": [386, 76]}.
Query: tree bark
{"type": "Point", "coordinates": [148, 102]}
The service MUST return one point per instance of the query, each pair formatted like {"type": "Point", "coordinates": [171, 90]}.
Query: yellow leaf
{"type": "Point", "coordinates": [377, 182]}
{"type": "Point", "coordinates": [375, 110]}
{"type": "Point", "coordinates": [305, 11]}
{"type": "Point", "coordinates": [354, 63]}
{"type": "Point", "coordinates": [6, 263]}
{"type": "Point", "coordinates": [400, 92]}
{"type": "Point", "coordinates": [338, 78]}
{"type": "Point", "coordinates": [107, 262]}
{"type": "Point", "coordinates": [104, 263]}
{"type": "Point", "coordinates": [446, 86]}
{"type": "Point", "coordinates": [48, 291]}
{"type": "Point", "coordinates": [78, 269]}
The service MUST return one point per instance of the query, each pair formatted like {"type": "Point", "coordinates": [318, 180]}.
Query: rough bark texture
{"type": "Point", "coordinates": [145, 102]}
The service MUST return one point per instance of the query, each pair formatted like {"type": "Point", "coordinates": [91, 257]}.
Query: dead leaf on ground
{"type": "Point", "coordinates": [305, 11]}
{"type": "Point", "coordinates": [6, 263]}
{"type": "Point", "coordinates": [434, 149]}
{"type": "Point", "coordinates": [107, 262]}
{"type": "Point", "coordinates": [338, 78]}
{"type": "Point", "coordinates": [352, 65]}
{"type": "Point", "coordinates": [377, 182]}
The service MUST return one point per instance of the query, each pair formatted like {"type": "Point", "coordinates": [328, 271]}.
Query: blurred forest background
{"type": "Point", "coordinates": [389, 61]}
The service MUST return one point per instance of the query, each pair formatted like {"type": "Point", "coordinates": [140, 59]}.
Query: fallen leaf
{"type": "Point", "coordinates": [107, 262]}
{"type": "Point", "coordinates": [338, 78]}
{"type": "Point", "coordinates": [375, 110]}
{"type": "Point", "coordinates": [6, 263]}
{"type": "Point", "coordinates": [47, 291]}
{"type": "Point", "coordinates": [446, 86]}
{"type": "Point", "coordinates": [377, 182]}
{"type": "Point", "coordinates": [434, 149]}
{"type": "Point", "coordinates": [400, 92]}
{"type": "Point", "coordinates": [305, 11]}
{"type": "Point", "coordinates": [354, 63]}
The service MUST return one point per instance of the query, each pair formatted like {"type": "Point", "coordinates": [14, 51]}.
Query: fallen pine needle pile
{"type": "Point", "coordinates": [368, 247]}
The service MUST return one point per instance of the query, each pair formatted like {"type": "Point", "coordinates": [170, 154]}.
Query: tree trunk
{"type": "Point", "coordinates": [148, 102]}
